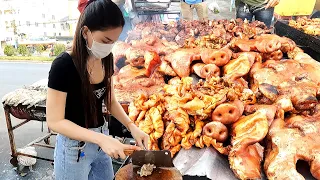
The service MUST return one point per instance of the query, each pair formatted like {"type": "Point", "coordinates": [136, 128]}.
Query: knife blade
{"type": "Point", "coordinates": [158, 158]}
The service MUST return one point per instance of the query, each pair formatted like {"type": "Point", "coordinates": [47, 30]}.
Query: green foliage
{"type": "Point", "coordinates": [40, 48]}
{"type": "Point", "coordinates": [23, 50]}
{"type": "Point", "coordinates": [26, 58]}
{"type": "Point", "coordinates": [58, 49]}
{"type": "Point", "coordinates": [9, 50]}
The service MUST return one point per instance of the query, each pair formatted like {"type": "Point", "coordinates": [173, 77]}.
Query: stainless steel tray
{"type": "Point", "coordinates": [144, 5]}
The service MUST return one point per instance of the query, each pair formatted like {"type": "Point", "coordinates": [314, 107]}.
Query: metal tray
{"type": "Point", "coordinates": [144, 5]}
{"type": "Point", "coordinates": [22, 112]}
{"type": "Point", "coordinates": [282, 28]}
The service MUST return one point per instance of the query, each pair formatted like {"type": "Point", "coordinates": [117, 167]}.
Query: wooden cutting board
{"type": "Point", "coordinates": [129, 172]}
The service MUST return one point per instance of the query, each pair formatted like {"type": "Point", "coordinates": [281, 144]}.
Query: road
{"type": "Point", "coordinates": [14, 75]}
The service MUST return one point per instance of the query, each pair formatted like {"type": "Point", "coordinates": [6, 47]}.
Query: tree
{"type": "Point", "coordinates": [9, 50]}
{"type": "Point", "coordinates": [23, 50]}
{"type": "Point", "coordinates": [58, 49]}
{"type": "Point", "coordinates": [40, 48]}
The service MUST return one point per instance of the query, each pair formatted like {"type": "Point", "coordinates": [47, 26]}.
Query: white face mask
{"type": "Point", "coordinates": [100, 50]}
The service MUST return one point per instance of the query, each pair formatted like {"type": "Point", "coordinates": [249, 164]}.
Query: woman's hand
{"type": "Point", "coordinates": [140, 136]}
{"type": "Point", "coordinates": [114, 148]}
{"type": "Point", "coordinates": [272, 3]}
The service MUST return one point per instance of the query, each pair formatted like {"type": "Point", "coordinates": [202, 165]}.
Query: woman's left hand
{"type": "Point", "coordinates": [140, 136]}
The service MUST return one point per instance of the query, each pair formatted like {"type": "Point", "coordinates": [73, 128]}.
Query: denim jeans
{"type": "Point", "coordinates": [94, 165]}
{"type": "Point", "coordinates": [127, 25]}
{"type": "Point", "coordinates": [259, 13]}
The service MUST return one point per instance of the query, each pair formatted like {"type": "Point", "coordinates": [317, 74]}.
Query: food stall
{"type": "Point", "coordinates": [27, 104]}
{"type": "Point", "coordinates": [234, 57]}
{"type": "Point", "coordinates": [304, 32]}
{"type": "Point", "coordinates": [227, 98]}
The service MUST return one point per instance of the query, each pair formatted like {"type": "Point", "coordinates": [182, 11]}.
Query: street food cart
{"type": "Point", "coordinates": [229, 99]}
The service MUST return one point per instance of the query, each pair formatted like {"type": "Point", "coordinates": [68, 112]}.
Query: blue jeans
{"type": "Point", "coordinates": [259, 13]}
{"type": "Point", "coordinates": [127, 25]}
{"type": "Point", "coordinates": [95, 165]}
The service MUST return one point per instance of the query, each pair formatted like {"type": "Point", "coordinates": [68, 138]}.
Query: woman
{"type": "Point", "coordinates": [79, 82]}
{"type": "Point", "coordinates": [261, 10]}
{"type": "Point", "coordinates": [120, 3]}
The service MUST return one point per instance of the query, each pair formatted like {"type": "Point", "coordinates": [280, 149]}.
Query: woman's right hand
{"type": "Point", "coordinates": [272, 3]}
{"type": "Point", "coordinates": [114, 148]}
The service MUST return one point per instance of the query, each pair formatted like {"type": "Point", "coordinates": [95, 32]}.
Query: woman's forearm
{"type": "Point", "coordinates": [76, 132]}
{"type": "Point", "coordinates": [118, 112]}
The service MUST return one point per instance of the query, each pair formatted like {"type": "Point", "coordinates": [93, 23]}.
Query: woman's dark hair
{"type": "Point", "coordinates": [99, 15]}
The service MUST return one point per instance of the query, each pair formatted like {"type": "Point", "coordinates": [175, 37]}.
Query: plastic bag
{"type": "Point", "coordinates": [214, 7]}
{"type": "Point", "coordinates": [129, 10]}
{"type": "Point", "coordinates": [232, 5]}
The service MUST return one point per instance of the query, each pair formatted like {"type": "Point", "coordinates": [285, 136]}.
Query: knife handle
{"type": "Point", "coordinates": [128, 152]}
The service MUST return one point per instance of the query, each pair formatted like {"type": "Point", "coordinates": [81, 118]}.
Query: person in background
{"type": "Point", "coordinates": [316, 10]}
{"type": "Point", "coordinates": [79, 82]}
{"type": "Point", "coordinates": [51, 51]}
{"type": "Point", "coordinates": [187, 7]}
{"type": "Point", "coordinates": [127, 25]}
{"type": "Point", "coordinates": [316, 14]}
{"type": "Point", "coordinates": [260, 10]}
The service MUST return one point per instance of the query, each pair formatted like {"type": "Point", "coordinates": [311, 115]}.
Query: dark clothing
{"type": "Point", "coordinates": [251, 2]}
{"type": "Point", "coordinates": [245, 11]}
{"type": "Point", "coordinates": [315, 14]}
{"type": "Point", "coordinates": [63, 76]}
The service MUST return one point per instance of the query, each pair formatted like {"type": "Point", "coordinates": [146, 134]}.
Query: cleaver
{"type": "Point", "coordinates": [158, 158]}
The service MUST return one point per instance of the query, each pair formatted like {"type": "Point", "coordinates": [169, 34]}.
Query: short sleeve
{"type": "Point", "coordinates": [58, 74]}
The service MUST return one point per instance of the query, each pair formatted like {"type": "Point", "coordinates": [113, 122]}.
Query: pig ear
{"type": "Point", "coordinates": [82, 5]}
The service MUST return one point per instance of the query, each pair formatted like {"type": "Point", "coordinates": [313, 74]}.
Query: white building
{"type": "Point", "coordinates": [7, 16]}
{"type": "Point", "coordinates": [73, 15]}
{"type": "Point", "coordinates": [35, 18]}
